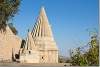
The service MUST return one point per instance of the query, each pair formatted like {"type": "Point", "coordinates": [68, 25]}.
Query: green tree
{"type": "Point", "coordinates": [8, 8]}
{"type": "Point", "coordinates": [93, 53]}
{"type": "Point", "coordinates": [78, 59]}
{"type": "Point", "coordinates": [89, 58]}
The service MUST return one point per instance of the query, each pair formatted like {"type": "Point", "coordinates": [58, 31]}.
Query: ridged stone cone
{"type": "Point", "coordinates": [44, 47]}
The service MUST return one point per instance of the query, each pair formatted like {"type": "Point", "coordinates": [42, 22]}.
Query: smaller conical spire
{"type": "Point", "coordinates": [29, 42]}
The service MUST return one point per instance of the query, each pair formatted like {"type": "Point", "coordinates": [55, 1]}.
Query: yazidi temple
{"type": "Point", "coordinates": [39, 46]}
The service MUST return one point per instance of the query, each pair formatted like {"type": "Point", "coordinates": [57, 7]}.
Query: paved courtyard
{"type": "Point", "coordinates": [33, 65]}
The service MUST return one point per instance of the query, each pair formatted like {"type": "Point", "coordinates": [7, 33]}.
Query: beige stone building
{"type": "Point", "coordinates": [40, 45]}
{"type": "Point", "coordinates": [9, 45]}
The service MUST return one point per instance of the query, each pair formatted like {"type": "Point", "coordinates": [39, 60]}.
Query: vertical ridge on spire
{"type": "Point", "coordinates": [29, 42]}
{"type": "Point", "coordinates": [42, 27]}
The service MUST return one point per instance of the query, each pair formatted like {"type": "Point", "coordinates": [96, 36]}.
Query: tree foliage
{"type": "Point", "coordinates": [90, 57]}
{"type": "Point", "coordinates": [8, 8]}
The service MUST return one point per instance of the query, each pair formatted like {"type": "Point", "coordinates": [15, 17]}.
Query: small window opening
{"type": "Point", "coordinates": [17, 56]}
{"type": "Point", "coordinates": [42, 58]}
{"type": "Point", "coordinates": [29, 52]}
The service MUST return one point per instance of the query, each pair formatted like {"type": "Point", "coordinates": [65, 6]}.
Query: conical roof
{"type": "Point", "coordinates": [42, 33]}
{"type": "Point", "coordinates": [42, 27]}
{"type": "Point", "coordinates": [29, 42]}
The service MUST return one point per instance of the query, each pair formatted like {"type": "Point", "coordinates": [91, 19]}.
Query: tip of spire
{"type": "Point", "coordinates": [42, 11]}
{"type": "Point", "coordinates": [42, 7]}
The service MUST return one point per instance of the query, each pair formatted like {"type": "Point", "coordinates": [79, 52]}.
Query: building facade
{"type": "Point", "coordinates": [40, 45]}
{"type": "Point", "coordinates": [9, 45]}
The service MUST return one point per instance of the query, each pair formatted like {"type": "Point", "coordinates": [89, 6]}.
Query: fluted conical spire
{"type": "Point", "coordinates": [29, 42]}
{"type": "Point", "coordinates": [42, 27]}
{"type": "Point", "coordinates": [40, 45]}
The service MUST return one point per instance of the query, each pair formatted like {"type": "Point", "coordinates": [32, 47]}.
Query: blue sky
{"type": "Point", "coordinates": [69, 19]}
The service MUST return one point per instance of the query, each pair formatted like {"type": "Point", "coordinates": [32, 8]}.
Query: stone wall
{"type": "Point", "coordinates": [8, 43]}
